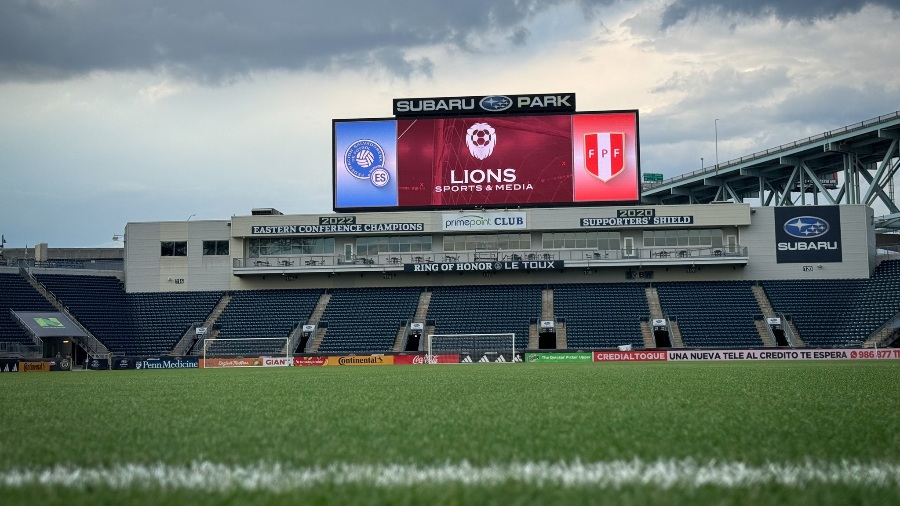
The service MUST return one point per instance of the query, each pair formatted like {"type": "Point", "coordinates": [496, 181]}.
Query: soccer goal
{"type": "Point", "coordinates": [246, 347]}
{"type": "Point", "coordinates": [472, 347]}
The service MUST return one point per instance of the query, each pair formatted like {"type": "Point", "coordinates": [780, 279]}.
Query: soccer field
{"type": "Point", "coordinates": [693, 433]}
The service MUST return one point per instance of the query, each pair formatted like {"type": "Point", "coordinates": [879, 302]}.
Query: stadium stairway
{"type": "Point", "coordinates": [534, 334]}
{"type": "Point", "coordinates": [188, 342]}
{"type": "Point", "coordinates": [647, 334]}
{"type": "Point", "coordinates": [317, 339]}
{"type": "Point", "coordinates": [319, 310]}
{"type": "Point", "coordinates": [798, 341]}
{"type": "Point", "coordinates": [763, 328]}
{"type": "Point", "coordinates": [419, 317]}
{"type": "Point", "coordinates": [562, 342]}
{"type": "Point", "coordinates": [315, 318]}
{"type": "Point", "coordinates": [656, 312]}
{"type": "Point", "coordinates": [91, 344]}
{"type": "Point", "coordinates": [883, 335]}
{"type": "Point", "coordinates": [400, 338]}
{"type": "Point", "coordinates": [768, 312]}
{"type": "Point", "coordinates": [547, 304]}
{"type": "Point", "coordinates": [533, 337]}
{"type": "Point", "coordinates": [675, 333]}
{"type": "Point", "coordinates": [653, 304]}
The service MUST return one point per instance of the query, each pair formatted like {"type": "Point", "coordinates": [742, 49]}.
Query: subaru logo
{"type": "Point", "coordinates": [806, 227]}
{"type": "Point", "coordinates": [495, 103]}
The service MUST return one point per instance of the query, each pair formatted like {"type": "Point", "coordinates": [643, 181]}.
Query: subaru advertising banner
{"type": "Point", "coordinates": [806, 234]}
{"type": "Point", "coordinates": [486, 161]}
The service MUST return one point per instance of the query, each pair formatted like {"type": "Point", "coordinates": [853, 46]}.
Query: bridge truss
{"type": "Point", "coordinates": [856, 164]}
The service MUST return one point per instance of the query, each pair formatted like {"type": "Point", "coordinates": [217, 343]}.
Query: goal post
{"type": "Point", "coordinates": [246, 347]}
{"type": "Point", "coordinates": [477, 347]}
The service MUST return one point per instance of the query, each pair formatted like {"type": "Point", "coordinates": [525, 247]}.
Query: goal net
{"type": "Point", "coordinates": [247, 347]}
{"type": "Point", "coordinates": [472, 347]}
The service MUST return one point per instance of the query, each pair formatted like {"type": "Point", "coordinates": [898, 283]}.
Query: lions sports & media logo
{"type": "Point", "coordinates": [808, 234]}
{"type": "Point", "coordinates": [604, 154]}
{"type": "Point", "coordinates": [806, 227]}
{"type": "Point", "coordinates": [364, 159]}
{"type": "Point", "coordinates": [481, 139]}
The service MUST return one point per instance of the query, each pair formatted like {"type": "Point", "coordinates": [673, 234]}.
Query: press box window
{"type": "Point", "coordinates": [173, 248]}
{"type": "Point", "coordinates": [215, 248]}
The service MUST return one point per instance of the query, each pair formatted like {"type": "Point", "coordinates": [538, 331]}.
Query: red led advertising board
{"type": "Point", "coordinates": [495, 161]}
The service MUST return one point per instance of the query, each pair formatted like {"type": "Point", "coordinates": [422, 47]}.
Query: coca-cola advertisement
{"type": "Point", "coordinates": [443, 358]}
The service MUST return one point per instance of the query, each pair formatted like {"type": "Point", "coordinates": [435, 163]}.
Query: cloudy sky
{"type": "Point", "coordinates": [155, 110]}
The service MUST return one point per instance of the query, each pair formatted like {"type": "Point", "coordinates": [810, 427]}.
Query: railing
{"type": "Point", "coordinates": [770, 151]}
{"type": "Point", "coordinates": [21, 350]}
{"type": "Point", "coordinates": [100, 265]}
{"type": "Point", "coordinates": [786, 328]}
{"type": "Point", "coordinates": [674, 254]}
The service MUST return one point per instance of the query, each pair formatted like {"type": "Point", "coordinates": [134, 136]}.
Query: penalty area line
{"type": "Point", "coordinates": [216, 477]}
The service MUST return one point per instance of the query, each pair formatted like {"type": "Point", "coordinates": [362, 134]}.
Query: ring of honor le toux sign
{"type": "Point", "coordinates": [808, 234]}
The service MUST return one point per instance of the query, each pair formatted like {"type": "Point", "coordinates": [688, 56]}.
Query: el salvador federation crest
{"type": "Point", "coordinates": [364, 159]}
{"type": "Point", "coordinates": [604, 154]}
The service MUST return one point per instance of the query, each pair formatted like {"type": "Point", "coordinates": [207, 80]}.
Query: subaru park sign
{"type": "Point", "coordinates": [808, 234]}
{"type": "Point", "coordinates": [485, 104]}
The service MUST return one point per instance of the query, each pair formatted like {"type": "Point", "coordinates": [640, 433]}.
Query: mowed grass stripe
{"type": "Point", "coordinates": [212, 477]}
{"type": "Point", "coordinates": [753, 413]}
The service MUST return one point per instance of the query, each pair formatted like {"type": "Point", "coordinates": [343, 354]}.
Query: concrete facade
{"type": "Point", "coordinates": [748, 250]}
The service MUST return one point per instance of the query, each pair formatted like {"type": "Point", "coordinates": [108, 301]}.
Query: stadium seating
{"type": "Point", "coordinates": [485, 310]}
{"type": "Point", "coordinates": [17, 294]}
{"type": "Point", "coordinates": [264, 313]}
{"type": "Point", "coordinates": [367, 319]}
{"type": "Point", "coordinates": [839, 312]}
{"type": "Point", "coordinates": [603, 315]}
{"type": "Point", "coordinates": [136, 324]}
{"type": "Point", "coordinates": [827, 313]}
{"type": "Point", "coordinates": [712, 314]}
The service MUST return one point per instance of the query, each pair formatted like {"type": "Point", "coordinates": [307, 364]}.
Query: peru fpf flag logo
{"type": "Point", "coordinates": [604, 154]}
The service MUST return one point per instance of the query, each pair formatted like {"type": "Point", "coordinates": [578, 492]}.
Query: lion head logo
{"type": "Point", "coordinates": [481, 139]}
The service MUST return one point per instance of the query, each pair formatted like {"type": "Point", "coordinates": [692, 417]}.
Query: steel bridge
{"type": "Point", "coordinates": [856, 164]}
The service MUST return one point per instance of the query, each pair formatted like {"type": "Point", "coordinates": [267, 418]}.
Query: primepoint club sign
{"type": "Point", "coordinates": [483, 221]}
{"type": "Point", "coordinates": [486, 161]}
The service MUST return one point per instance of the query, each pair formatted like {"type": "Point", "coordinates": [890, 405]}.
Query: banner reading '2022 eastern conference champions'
{"type": "Point", "coordinates": [493, 161]}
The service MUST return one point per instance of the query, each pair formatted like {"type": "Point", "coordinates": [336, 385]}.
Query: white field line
{"type": "Point", "coordinates": [209, 476]}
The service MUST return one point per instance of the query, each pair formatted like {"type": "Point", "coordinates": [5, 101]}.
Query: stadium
{"type": "Point", "coordinates": [474, 230]}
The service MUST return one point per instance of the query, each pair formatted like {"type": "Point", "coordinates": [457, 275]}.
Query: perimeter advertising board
{"type": "Point", "coordinates": [555, 358]}
{"type": "Point", "coordinates": [9, 365]}
{"type": "Point", "coordinates": [361, 360]}
{"type": "Point", "coordinates": [486, 161]}
{"type": "Point", "coordinates": [441, 358]}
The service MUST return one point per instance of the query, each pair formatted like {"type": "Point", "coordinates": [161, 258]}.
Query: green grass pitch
{"type": "Point", "coordinates": [688, 433]}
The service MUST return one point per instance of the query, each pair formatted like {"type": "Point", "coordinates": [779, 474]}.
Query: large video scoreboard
{"type": "Point", "coordinates": [490, 161]}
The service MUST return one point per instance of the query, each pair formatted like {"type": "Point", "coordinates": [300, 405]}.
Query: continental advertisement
{"type": "Point", "coordinates": [555, 358]}
{"type": "Point", "coordinates": [34, 366]}
{"type": "Point", "coordinates": [362, 360]}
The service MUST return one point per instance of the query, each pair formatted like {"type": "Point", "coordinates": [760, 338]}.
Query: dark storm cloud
{"type": "Point", "coordinates": [218, 41]}
{"type": "Point", "coordinates": [787, 10]}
